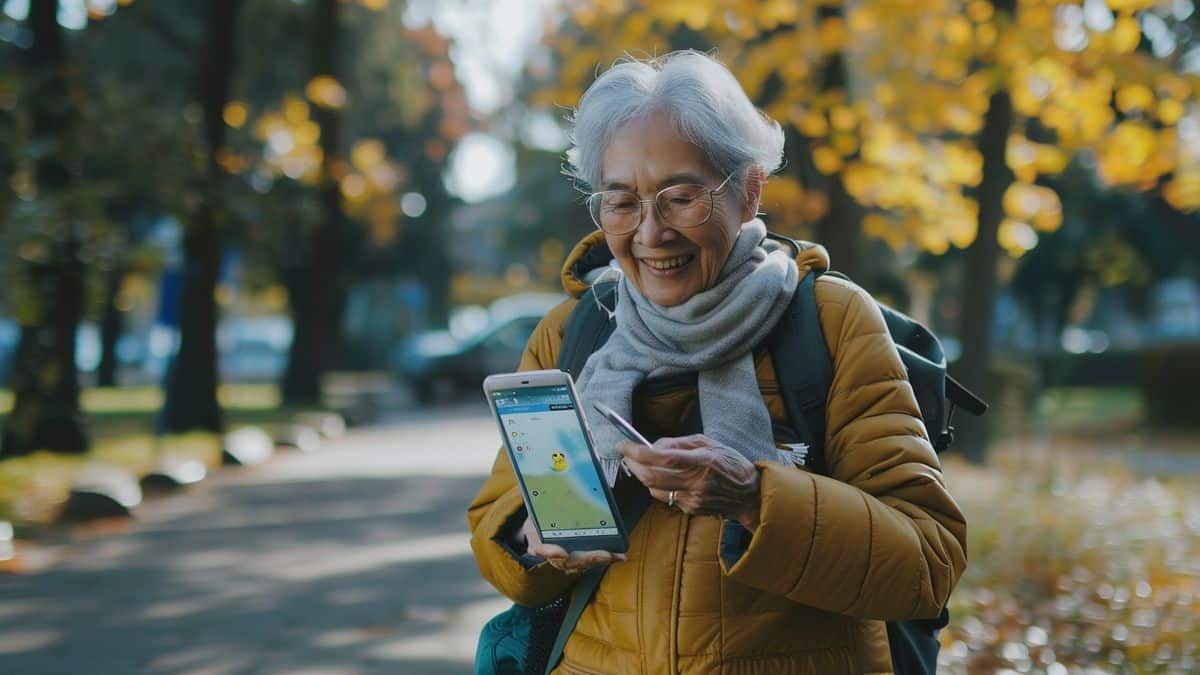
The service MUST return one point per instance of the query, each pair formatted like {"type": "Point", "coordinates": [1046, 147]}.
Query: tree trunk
{"type": "Point", "coordinates": [191, 388]}
{"type": "Point", "coordinates": [8, 162]}
{"type": "Point", "coordinates": [838, 229]}
{"type": "Point", "coordinates": [46, 413]}
{"type": "Point", "coordinates": [112, 323]}
{"type": "Point", "coordinates": [980, 279]}
{"type": "Point", "coordinates": [317, 293]}
{"type": "Point", "coordinates": [317, 287]}
{"type": "Point", "coordinates": [435, 268]}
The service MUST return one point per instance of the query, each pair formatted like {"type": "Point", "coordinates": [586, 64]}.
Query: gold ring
{"type": "Point", "coordinates": [671, 499]}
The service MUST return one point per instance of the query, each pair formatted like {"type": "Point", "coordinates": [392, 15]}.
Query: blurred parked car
{"type": "Point", "coordinates": [441, 365]}
{"type": "Point", "coordinates": [1175, 309]}
{"type": "Point", "coordinates": [87, 348]}
{"type": "Point", "coordinates": [254, 347]}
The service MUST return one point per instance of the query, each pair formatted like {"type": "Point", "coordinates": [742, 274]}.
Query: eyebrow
{"type": "Point", "coordinates": [682, 178]}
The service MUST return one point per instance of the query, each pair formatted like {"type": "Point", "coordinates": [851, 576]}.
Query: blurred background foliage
{"type": "Point", "coordinates": [330, 178]}
{"type": "Point", "coordinates": [960, 135]}
{"type": "Point", "coordinates": [338, 176]}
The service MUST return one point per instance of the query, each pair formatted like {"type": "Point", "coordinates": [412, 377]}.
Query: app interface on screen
{"type": "Point", "coordinates": [544, 433]}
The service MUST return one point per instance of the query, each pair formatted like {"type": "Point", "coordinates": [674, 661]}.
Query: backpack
{"type": "Point", "coordinates": [804, 382]}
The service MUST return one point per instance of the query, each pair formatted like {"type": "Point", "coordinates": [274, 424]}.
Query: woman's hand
{"type": "Point", "coordinates": [708, 478]}
{"type": "Point", "coordinates": [574, 562]}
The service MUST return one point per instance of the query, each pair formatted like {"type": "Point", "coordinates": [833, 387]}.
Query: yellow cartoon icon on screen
{"type": "Point", "coordinates": [558, 461]}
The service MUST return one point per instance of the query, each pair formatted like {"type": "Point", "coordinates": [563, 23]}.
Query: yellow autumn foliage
{"type": "Point", "coordinates": [900, 135]}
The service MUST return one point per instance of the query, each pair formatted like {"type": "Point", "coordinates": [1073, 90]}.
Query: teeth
{"type": "Point", "coordinates": [668, 263]}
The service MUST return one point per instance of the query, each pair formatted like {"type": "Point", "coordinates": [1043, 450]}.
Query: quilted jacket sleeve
{"type": "Point", "coordinates": [880, 537]}
{"type": "Point", "coordinates": [498, 509]}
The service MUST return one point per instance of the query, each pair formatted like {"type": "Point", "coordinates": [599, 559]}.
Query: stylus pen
{"type": "Point", "coordinates": [627, 430]}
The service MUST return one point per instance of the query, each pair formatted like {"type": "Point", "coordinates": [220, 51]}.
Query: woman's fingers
{"type": "Point", "coordinates": [688, 502]}
{"type": "Point", "coordinates": [575, 561]}
{"type": "Point", "coordinates": [662, 469]}
{"type": "Point", "coordinates": [585, 559]}
{"type": "Point", "coordinates": [658, 477]}
{"type": "Point", "coordinates": [636, 452]}
{"type": "Point", "coordinates": [693, 442]}
{"type": "Point", "coordinates": [531, 532]}
{"type": "Point", "coordinates": [669, 458]}
{"type": "Point", "coordinates": [640, 471]}
{"type": "Point", "coordinates": [547, 551]}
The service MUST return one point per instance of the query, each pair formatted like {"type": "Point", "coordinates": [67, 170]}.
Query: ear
{"type": "Point", "coordinates": [756, 178]}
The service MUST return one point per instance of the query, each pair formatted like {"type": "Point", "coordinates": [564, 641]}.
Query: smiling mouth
{"type": "Point", "coordinates": [667, 264]}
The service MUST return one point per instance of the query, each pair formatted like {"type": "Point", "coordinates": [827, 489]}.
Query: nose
{"type": "Point", "coordinates": [653, 231]}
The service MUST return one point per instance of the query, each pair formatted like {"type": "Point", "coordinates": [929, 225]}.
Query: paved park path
{"type": "Point", "coordinates": [352, 560]}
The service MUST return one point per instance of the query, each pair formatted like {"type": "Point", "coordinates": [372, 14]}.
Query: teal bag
{"type": "Point", "coordinates": [524, 640]}
{"type": "Point", "coordinates": [503, 643]}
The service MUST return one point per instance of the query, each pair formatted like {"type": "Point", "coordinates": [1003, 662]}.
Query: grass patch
{"type": "Point", "coordinates": [121, 427]}
{"type": "Point", "coordinates": [148, 399]}
{"type": "Point", "coordinates": [1078, 408]}
{"type": "Point", "coordinates": [34, 487]}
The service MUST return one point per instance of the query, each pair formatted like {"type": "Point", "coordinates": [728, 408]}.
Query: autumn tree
{"type": "Point", "coordinates": [317, 287]}
{"type": "Point", "coordinates": [373, 138]}
{"type": "Point", "coordinates": [9, 79]}
{"type": "Point", "coordinates": [138, 156]}
{"type": "Point", "coordinates": [191, 387]}
{"type": "Point", "coordinates": [944, 120]}
{"type": "Point", "coordinates": [386, 181]}
{"type": "Point", "coordinates": [46, 412]}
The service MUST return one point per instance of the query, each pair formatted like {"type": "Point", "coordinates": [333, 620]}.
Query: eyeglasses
{"type": "Point", "coordinates": [620, 212]}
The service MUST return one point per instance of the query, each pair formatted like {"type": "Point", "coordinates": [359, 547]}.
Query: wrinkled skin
{"type": "Point", "coordinates": [709, 478]}
{"type": "Point", "coordinates": [644, 156]}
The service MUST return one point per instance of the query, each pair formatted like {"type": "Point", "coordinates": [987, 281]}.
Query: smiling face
{"type": "Point", "coordinates": [669, 265]}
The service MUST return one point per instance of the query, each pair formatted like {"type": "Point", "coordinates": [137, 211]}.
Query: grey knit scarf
{"type": "Point", "coordinates": [714, 333]}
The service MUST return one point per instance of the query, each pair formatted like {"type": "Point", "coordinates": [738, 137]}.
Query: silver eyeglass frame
{"type": "Point", "coordinates": [711, 192]}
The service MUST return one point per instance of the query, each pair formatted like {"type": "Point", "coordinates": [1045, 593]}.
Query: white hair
{"type": "Point", "coordinates": [705, 104]}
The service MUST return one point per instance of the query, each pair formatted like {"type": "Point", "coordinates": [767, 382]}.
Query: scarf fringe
{"type": "Point", "coordinates": [611, 468]}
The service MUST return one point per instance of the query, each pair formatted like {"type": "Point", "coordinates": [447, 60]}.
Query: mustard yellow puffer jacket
{"type": "Point", "coordinates": [833, 557]}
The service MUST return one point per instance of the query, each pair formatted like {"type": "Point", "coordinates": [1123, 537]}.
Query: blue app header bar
{"type": "Point", "coordinates": [533, 399]}
{"type": "Point", "coordinates": [509, 409]}
{"type": "Point", "coordinates": [533, 407]}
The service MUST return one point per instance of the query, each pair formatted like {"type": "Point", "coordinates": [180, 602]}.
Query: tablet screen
{"type": "Point", "coordinates": [542, 429]}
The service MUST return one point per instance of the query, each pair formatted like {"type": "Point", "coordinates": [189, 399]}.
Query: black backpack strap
{"type": "Point", "coordinates": [803, 369]}
{"type": "Point", "coordinates": [914, 644]}
{"type": "Point", "coordinates": [588, 326]}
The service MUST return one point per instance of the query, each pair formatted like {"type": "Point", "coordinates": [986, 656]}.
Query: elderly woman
{"type": "Point", "coordinates": [679, 156]}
